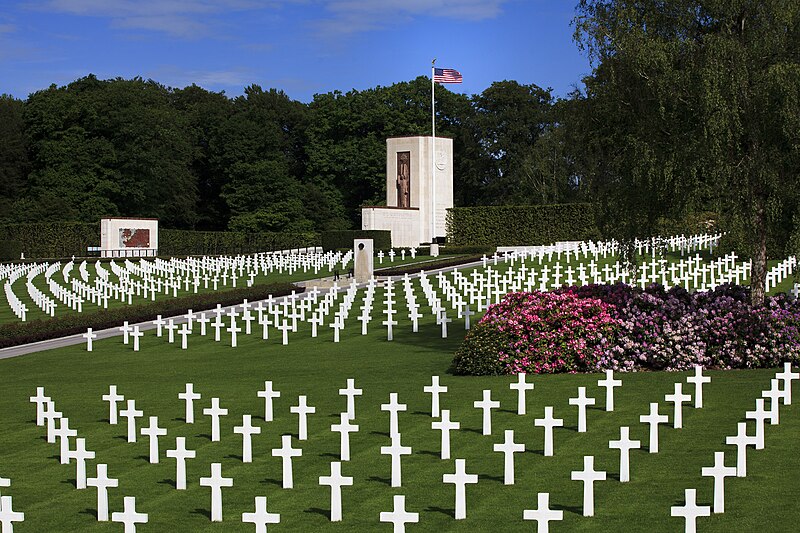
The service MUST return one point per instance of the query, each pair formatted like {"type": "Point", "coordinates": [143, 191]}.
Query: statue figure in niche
{"type": "Point", "coordinates": [403, 179]}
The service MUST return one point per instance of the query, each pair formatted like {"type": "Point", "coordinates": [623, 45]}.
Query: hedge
{"type": "Point", "coordinates": [339, 239]}
{"type": "Point", "coordinates": [526, 225]}
{"type": "Point", "coordinates": [48, 240]}
{"type": "Point", "coordinates": [16, 333]}
{"type": "Point", "coordinates": [175, 242]}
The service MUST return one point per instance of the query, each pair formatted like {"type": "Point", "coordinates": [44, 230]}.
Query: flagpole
{"type": "Point", "coordinates": [433, 151]}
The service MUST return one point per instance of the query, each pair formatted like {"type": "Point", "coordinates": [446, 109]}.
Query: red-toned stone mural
{"type": "Point", "coordinates": [134, 238]}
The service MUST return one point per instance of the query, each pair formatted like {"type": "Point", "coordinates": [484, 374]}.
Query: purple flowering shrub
{"type": "Point", "coordinates": [597, 327]}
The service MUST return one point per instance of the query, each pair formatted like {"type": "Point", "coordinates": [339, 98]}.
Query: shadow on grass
{"type": "Point", "coordinates": [316, 510]}
{"type": "Point", "coordinates": [73, 482]}
{"type": "Point", "coordinates": [332, 455]}
{"type": "Point", "coordinates": [420, 413]}
{"type": "Point", "coordinates": [204, 436]}
{"type": "Point", "coordinates": [271, 482]}
{"type": "Point", "coordinates": [381, 433]}
{"type": "Point", "coordinates": [449, 512]}
{"type": "Point", "coordinates": [428, 452]}
{"type": "Point", "coordinates": [473, 430]}
{"type": "Point", "coordinates": [179, 419]}
{"type": "Point", "coordinates": [384, 480]}
{"type": "Point", "coordinates": [144, 458]}
{"type": "Point", "coordinates": [104, 421]}
{"type": "Point", "coordinates": [574, 509]}
{"type": "Point", "coordinates": [203, 512]}
{"type": "Point", "coordinates": [499, 479]}
{"type": "Point", "coordinates": [170, 482]}
{"type": "Point", "coordinates": [91, 512]}
{"type": "Point", "coordinates": [511, 411]}
{"type": "Point", "coordinates": [531, 450]}
{"type": "Point", "coordinates": [237, 457]}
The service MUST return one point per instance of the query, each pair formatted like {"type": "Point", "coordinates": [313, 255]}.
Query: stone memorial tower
{"type": "Point", "coordinates": [419, 190]}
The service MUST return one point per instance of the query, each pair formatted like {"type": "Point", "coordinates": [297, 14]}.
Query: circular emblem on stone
{"type": "Point", "coordinates": [441, 160]}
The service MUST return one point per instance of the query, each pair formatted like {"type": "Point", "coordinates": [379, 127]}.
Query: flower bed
{"type": "Point", "coordinates": [577, 329]}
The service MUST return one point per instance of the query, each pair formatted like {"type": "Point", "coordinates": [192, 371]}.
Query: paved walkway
{"type": "Point", "coordinates": [72, 340]}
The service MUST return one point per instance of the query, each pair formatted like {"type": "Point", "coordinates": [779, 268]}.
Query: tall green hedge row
{"type": "Point", "coordinates": [334, 240]}
{"type": "Point", "coordinates": [65, 239]}
{"type": "Point", "coordinates": [176, 242]}
{"type": "Point", "coordinates": [520, 225]}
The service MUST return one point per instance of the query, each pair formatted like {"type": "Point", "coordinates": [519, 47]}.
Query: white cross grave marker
{"type": "Point", "coordinates": [521, 387]}
{"type": "Point", "coordinates": [153, 431]}
{"type": "Point", "coordinates": [396, 450]}
{"type": "Point", "coordinates": [486, 405]}
{"type": "Point", "coordinates": [129, 517]}
{"type": "Point", "coordinates": [678, 398]}
{"type": "Point", "coordinates": [216, 482]}
{"type": "Point", "coordinates": [760, 416]}
{"type": "Point", "coordinates": [460, 479]}
{"type": "Point", "coordinates": [180, 454]}
{"type": "Point", "coordinates": [698, 379]}
{"type": "Point", "coordinates": [112, 398]}
{"type": "Point", "coordinates": [787, 376]}
{"type": "Point", "coordinates": [741, 440]}
{"type": "Point", "coordinates": [102, 482]}
{"type": "Point", "coordinates": [445, 425]}
{"type": "Point", "coordinates": [247, 430]}
{"type": "Point", "coordinates": [434, 389]}
{"type": "Point", "coordinates": [215, 412]}
{"type": "Point", "coordinates": [261, 517]}
{"type": "Point", "coordinates": [588, 475]}
{"type": "Point", "coordinates": [344, 428]}
{"type": "Point", "coordinates": [582, 401]}
{"type": "Point", "coordinates": [690, 511]}
{"type": "Point", "coordinates": [336, 481]}
{"type": "Point", "coordinates": [719, 472]}
{"type": "Point", "coordinates": [394, 407]}
{"type": "Point", "coordinates": [624, 445]}
{"type": "Point", "coordinates": [189, 396]}
{"type": "Point", "coordinates": [351, 392]}
{"type": "Point", "coordinates": [302, 410]}
{"type": "Point", "coordinates": [131, 414]}
{"type": "Point", "coordinates": [8, 516]}
{"type": "Point", "coordinates": [64, 433]}
{"type": "Point", "coordinates": [609, 383]}
{"type": "Point", "coordinates": [543, 514]}
{"type": "Point", "coordinates": [399, 517]}
{"type": "Point", "coordinates": [89, 336]}
{"type": "Point", "coordinates": [654, 419]}
{"type": "Point", "coordinates": [80, 454]}
{"type": "Point", "coordinates": [40, 400]}
{"type": "Point", "coordinates": [286, 452]}
{"type": "Point", "coordinates": [268, 394]}
{"type": "Point", "coordinates": [548, 423]}
{"type": "Point", "coordinates": [508, 448]}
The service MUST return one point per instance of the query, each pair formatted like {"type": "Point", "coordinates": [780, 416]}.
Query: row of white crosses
{"type": "Point", "coordinates": [7, 514]}
{"type": "Point", "coordinates": [412, 252]}
{"type": "Point", "coordinates": [780, 392]}
{"type": "Point", "coordinates": [47, 416]}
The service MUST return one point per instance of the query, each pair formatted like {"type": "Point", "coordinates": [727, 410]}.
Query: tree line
{"type": "Point", "coordinates": [198, 159]}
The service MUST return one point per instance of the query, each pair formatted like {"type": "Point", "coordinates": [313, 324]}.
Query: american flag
{"type": "Point", "coordinates": [446, 75]}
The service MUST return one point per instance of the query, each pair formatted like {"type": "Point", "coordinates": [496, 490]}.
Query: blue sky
{"type": "Point", "coordinates": [301, 46]}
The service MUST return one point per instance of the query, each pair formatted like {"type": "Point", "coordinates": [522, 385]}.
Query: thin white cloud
{"type": "Point", "coordinates": [174, 76]}
{"type": "Point", "coordinates": [7, 28]}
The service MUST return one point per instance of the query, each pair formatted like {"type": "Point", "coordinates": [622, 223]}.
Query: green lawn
{"type": "Point", "coordinates": [76, 380]}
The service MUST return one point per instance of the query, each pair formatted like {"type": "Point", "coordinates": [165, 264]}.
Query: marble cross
{"type": "Point", "coordinates": [678, 398]}
{"type": "Point", "coordinates": [80, 454]}
{"type": "Point", "coordinates": [445, 425]}
{"type": "Point", "coordinates": [582, 401]}
{"type": "Point", "coordinates": [40, 400]}
{"type": "Point", "coordinates": [399, 517]}
{"type": "Point", "coordinates": [394, 407]}
{"type": "Point", "coordinates": [486, 405]}
{"type": "Point", "coordinates": [153, 431]}
{"type": "Point", "coordinates": [654, 419]}
{"type": "Point", "coordinates": [588, 475]}
{"type": "Point", "coordinates": [460, 479]}
{"type": "Point", "coordinates": [543, 514]}
{"type": "Point", "coordinates": [690, 511]}
{"type": "Point", "coordinates": [215, 412]}
{"type": "Point", "coordinates": [180, 454]}
{"type": "Point", "coordinates": [548, 423]}
{"type": "Point", "coordinates": [698, 379]}
{"type": "Point", "coordinates": [268, 394]}
{"type": "Point", "coordinates": [102, 482]}
{"type": "Point", "coordinates": [351, 392]}
{"type": "Point", "coordinates": [89, 336]}
{"type": "Point", "coordinates": [112, 398]}
{"type": "Point", "coordinates": [302, 410]}
{"type": "Point", "coordinates": [64, 432]}
{"type": "Point", "coordinates": [286, 452]}
{"type": "Point", "coordinates": [508, 448]}
{"type": "Point", "coordinates": [521, 387]}
{"type": "Point", "coordinates": [129, 517]}
{"type": "Point", "coordinates": [609, 383]}
{"type": "Point", "coordinates": [261, 517]}
{"type": "Point", "coordinates": [344, 428]}
{"type": "Point", "coordinates": [434, 389]}
{"type": "Point", "coordinates": [216, 482]}
{"type": "Point", "coordinates": [189, 396]}
{"type": "Point", "coordinates": [336, 481]}
{"type": "Point", "coordinates": [396, 450]}
{"type": "Point", "coordinates": [787, 376]}
{"type": "Point", "coordinates": [741, 440]}
{"type": "Point", "coordinates": [760, 416]}
{"type": "Point", "coordinates": [624, 445]}
{"type": "Point", "coordinates": [247, 430]}
{"type": "Point", "coordinates": [719, 472]}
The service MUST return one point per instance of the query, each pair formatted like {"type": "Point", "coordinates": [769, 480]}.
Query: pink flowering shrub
{"type": "Point", "coordinates": [538, 332]}
{"type": "Point", "coordinates": [618, 327]}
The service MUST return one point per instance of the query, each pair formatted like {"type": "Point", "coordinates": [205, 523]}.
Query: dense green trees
{"type": "Point", "coordinates": [261, 161]}
{"type": "Point", "coordinates": [694, 104]}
